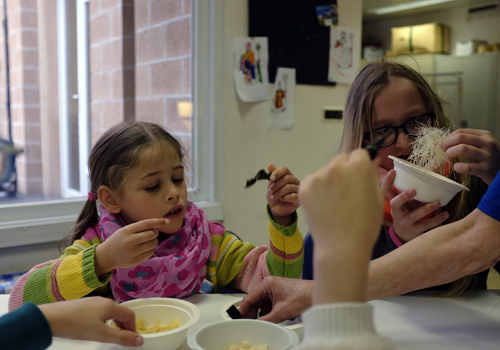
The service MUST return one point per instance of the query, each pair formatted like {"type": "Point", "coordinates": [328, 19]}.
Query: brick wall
{"type": "Point", "coordinates": [24, 91]}
{"type": "Point", "coordinates": [112, 64]}
{"type": "Point", "coordinates": [163, 63]}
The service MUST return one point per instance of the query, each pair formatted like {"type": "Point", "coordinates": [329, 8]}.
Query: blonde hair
{"type": "Point", "coordinates": [358, 118]}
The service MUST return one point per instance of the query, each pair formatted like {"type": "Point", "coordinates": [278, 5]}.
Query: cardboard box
{"type": "Point", "coordinates": [423, 38]}
{"type": "Point", "coordinates": [468, 47]}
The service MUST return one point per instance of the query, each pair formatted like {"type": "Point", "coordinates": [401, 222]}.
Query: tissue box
{"type": "Point", "coordinates": [423, 38]}
{"type": "Point", "coordinates": [468, 47]}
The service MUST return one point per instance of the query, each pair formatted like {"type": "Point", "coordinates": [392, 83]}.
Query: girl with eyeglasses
{"type": "Point", "coordinates": [391, 96]}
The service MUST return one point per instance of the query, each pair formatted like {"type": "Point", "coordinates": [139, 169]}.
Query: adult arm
{"type": "Point", "coordinates": [442, 255]}
{"type": "Point", "coordinates": [27, 320]}
{"type": "Point", "coordinates": [85, 319]}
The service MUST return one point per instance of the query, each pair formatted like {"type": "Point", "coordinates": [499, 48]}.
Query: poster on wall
{"type": "Point", "coordinates": [345, 53]}
{"type": "Point", "coordinates": [327, 14]}
{"type": "Point", "coordinates": [282, 99]}
{"type": "Point", "coordinates": [251, 77]}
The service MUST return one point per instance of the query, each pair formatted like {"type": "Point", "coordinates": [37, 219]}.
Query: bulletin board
{"type": "Point", "coordinates": [295, 38]}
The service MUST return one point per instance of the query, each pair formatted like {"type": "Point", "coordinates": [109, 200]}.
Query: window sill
{"type": "Point", "coordinates": [51, 220]}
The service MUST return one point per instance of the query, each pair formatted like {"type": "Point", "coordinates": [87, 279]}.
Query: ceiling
{"type": "Point", "coordinates": [371, 4]}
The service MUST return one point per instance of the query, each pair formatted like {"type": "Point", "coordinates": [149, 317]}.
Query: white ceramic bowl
{"type": "Point", "coordinates": [166, 309]}
{"type": "Point", "coordinates": [293, 325]}
{"type": "Point", "coordinates": [217, 335]}
{"type": "Point", "coordinates": [430, 186]}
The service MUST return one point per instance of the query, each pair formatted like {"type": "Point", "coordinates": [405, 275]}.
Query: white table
{"type": "Point", "coordinates": [411, 322]}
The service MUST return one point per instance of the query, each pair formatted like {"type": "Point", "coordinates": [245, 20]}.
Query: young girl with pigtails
{"type": "Point", "coordinates": [147, 240]}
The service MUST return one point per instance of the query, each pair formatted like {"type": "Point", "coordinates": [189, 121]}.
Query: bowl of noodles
{"type": "Point", "coordinates": [294, 325]}
{"type": "Point", "coordinates": [162, 322]}
{"type": "Point", "coordinates": [429, 186]}
{"type": "Point", "coordinates": [242, 334]}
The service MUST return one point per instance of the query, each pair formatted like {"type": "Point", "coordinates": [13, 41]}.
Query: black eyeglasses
{"type": "Point", "coordinates": [411, 128]}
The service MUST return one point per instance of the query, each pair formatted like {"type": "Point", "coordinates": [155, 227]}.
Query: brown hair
{"type": "Point", "coordinates": [113, 155]}
{"type": "Point", "coordinates": [358, 117]}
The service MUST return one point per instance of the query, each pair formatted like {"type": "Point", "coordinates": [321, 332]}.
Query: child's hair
{"type": "Point", "coordinates": [113, 155]}
{"type": "Point", "coordinates": [358, 117]}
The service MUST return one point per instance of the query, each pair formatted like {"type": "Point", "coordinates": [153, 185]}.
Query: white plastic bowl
{"type": "Point", "coordinates": [166, 309]}
{"type": "Point", "coordinates": [217, 335]}
{"type": "Point", "coordinates": [295, 325]}
{"type": "Point", "coordinates": [430, 186]}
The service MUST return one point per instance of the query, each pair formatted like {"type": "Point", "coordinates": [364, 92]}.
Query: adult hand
{"type": "Point", "coordinates": [344, 197]}
{"type": "Point", "coordinates": [279, 299]}
{"type": "Point", "coordinates": [407, 214]}
{"type": "Point", "coordinates": [478, 145]}
{"type": "Point", "coordinates": [282, 194]}
{"type": "Point", "coordinates": [85, 319]}
{"type": "Point", "coordinates": [128, 246]}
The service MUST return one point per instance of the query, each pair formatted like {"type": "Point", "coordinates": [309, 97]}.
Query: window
{"type": "Point", "coordinates": [94, 84]}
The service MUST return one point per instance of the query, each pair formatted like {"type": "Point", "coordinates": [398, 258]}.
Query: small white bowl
{"type": "Point", "coordinates": [293, 325]}
{"type": "Point", "coordinates": [166, 309]}
{"type": "Point", "coordinates": [218, 335]}
{"type": "Point", "coordinates": [430, 186]}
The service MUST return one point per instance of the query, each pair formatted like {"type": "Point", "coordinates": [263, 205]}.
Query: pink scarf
{"type": "Point", "coordinates": [179, 264]}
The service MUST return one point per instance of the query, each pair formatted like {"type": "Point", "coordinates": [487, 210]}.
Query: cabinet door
{"type": "Point", "coordinates": [450, 88]}
{"type": "Point", "coordinates": [478, 91]}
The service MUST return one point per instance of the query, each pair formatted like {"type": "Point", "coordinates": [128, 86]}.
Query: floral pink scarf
{"type": "Point", "coordinates": [177, 268]}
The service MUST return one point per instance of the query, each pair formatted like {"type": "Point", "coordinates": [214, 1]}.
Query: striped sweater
{"type": "Point", "coordinates": [239, 265]}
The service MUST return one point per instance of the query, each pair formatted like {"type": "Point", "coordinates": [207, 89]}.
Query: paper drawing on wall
{"type": "Point", "coordinates": [282, 99]}
{"type": "Point", "coordinates": [279, 97]}
{"type": "Point", "coordinates": [327, 14]}
{"type": "Point", "coordinates": [250, 74]}
{"type": "Point", "coordinates": [344, 54]}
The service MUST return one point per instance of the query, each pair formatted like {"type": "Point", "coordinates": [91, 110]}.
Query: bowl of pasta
{"type": "Point", "coordinates": [242, 334]}
{"type": "Point", "coordinates": [294, 325]}
{"type": "Point", "coordinates": [162, 322]}
{"type": "Point", "coordinates": [429, 186]}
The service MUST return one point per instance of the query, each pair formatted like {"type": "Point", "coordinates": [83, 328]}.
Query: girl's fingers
{"type": "Point", "coordinates": [279, 173]}
{"type": "Point", "coordinates": [386, 187]}
{"type": "Point", "coordinates": [292, 198]}
{"type": "Point", "coordinates": [146, 246]}
{"type": "Point", "coordinates": [283, 191]}
{"type": "Point", "coordinates": [147, 224]}
{"type": "Point", "coordinates": [397, 203]}
{"type": "Point", "coordinates": [145, 236]}
{"type": "Point", "coordinates": [419, 213]}
{"type": "Point", "coordinates": [431, 223]}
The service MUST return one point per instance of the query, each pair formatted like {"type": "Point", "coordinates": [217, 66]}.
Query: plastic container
{"type": "Point", "coordinates": [166, 309]}
{"type": "Point", "coordinates": [218, 335]}
{"type": "Point", "coordinates": [430, 186]}
{"type": "Point", "coordinates": [295, 325]}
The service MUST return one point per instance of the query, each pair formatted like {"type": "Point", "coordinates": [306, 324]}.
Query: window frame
{"type": "Point", "coordinates": [44, 221]}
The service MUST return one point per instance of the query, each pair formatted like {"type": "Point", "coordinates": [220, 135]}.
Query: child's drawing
{"type": "Point", "coordinates": [344, 54]}
{"type": "Point", "coordinates": [250, 74]}
{"type": "Point", "coordinates": [282, 99]}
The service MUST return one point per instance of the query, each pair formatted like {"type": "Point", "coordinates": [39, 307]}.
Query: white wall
{"type": "Point", "coordinates": [250, 146]}
{"type": "Point", "coordinates": [487, 28]}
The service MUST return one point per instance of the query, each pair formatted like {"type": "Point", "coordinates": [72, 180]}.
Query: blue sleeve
{"type": "Point", "coordinates": [25, 328]}
{"type": "Point", "coordinates": [490, 203]}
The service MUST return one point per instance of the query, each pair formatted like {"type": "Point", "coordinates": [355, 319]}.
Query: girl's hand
{"type": "Point", "coordinates": [282, 194]}
{"type": "Point", "coordinates": [406, 214]}
{"type": "Point", "coordinates": [128, 246]}
{"type": "Point", "coordinates": [478, 145]}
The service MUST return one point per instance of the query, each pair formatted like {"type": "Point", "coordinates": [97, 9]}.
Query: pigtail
{"type": "Point", "coordinates": [88, 217]}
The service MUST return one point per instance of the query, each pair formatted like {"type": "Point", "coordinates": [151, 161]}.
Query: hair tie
{"type": "Point", "coordinates": [92, 197]}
